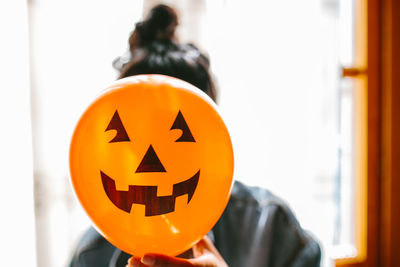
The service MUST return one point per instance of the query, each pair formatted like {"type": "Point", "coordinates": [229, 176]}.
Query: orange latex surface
{"type": "Point", "coordinates": [151, 162]}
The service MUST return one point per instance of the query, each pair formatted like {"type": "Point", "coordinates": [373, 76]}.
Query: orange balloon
{"type": "Point", "coordinates": [151, 162]}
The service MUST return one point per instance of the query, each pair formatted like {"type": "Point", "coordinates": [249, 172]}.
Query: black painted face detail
{"type": "Point", "coordinates": [147, 195]}
{"type": "Point", "coordinates": [181, 124]}
{"type": "Point", "coordinates": [116, 124]}
{"type": "Point", "coordinates": [150, 162]}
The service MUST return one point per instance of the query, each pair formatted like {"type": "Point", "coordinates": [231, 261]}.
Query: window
{"type": "Point", "coordinates": [364, 74]}
{"type": "Point", "coordinates": [286, 92]}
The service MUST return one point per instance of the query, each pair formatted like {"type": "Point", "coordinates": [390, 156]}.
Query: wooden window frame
{"type": "Point", "coordinates": [389, 241]}
{"type": "Point", "coordinates": [376, 74]}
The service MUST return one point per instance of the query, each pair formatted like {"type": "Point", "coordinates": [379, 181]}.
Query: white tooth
{"type": "Point", "coordinates": [164, 190]}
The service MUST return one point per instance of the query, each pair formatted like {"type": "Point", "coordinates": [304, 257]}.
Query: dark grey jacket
{"type": "Point", "coordinates": [256, 229]}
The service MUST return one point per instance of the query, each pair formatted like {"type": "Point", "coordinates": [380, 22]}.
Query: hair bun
{"type": "Point", "coordinates": [159, 25]}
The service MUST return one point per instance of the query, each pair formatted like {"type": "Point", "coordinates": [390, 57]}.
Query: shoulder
{"type": "Point", "coordinates": [252, 194]}
{"type": "Point", "coordinates": [256, 218]}
{"type": "Point", "coordinates": [259, 199]}
{"type": "Point", "coordinates": [92, 250]}
{"type": "Point", "coordinates": [256, 200]}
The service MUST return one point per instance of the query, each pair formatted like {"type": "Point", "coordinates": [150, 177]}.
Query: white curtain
{"type": "Point", "coordinates": [17, 225]}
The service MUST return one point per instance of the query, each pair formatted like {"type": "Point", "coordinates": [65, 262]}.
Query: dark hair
{"type": "Point", "coordinates": [160, 24]}
{"type": "Point", "coordinates": [154, 51]}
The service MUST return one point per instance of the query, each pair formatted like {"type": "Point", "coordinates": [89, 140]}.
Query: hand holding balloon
{"type": "Point", "coordinates": [204, 252]}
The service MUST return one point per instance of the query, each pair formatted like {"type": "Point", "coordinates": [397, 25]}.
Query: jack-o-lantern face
{"type": "Point", "coordinates": [145, 194]}
{"type": "Point", "coordinates": [151, 162]}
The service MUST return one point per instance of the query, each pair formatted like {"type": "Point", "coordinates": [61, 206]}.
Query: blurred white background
{"type": "Point", "coordinates": [277, 64]}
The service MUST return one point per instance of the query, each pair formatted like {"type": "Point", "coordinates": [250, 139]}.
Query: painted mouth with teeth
{"type": "Point", "coordinates": [147, 195]}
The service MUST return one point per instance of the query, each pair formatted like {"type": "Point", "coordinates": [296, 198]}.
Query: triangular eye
{"type": "Point", "coordinates": [116, 124]}
{"type": "Point", "coordinates": [181, 124]}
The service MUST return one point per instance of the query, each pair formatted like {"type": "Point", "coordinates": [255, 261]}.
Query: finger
{"type": "Point", "coordinates": [206, 254]}
{"type": "Point", "coordinates": [205, 244]}
{"type": "Point", "coordinates": [206, 259]}
{"type": "Point", "coordinates": [134, 262]}
{"type": "Point", "coordinates": [159, 260]}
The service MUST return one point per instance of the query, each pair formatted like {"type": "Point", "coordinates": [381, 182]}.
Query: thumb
{"type": "Point", "coordinates": [160, 260]}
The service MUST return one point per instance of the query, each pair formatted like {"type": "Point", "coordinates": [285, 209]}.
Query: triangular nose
{"type": "Point", "coordinates": [150, 162]}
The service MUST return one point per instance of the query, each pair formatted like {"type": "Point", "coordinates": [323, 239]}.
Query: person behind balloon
{"type": "Point", "coordinates": [256, 228]}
